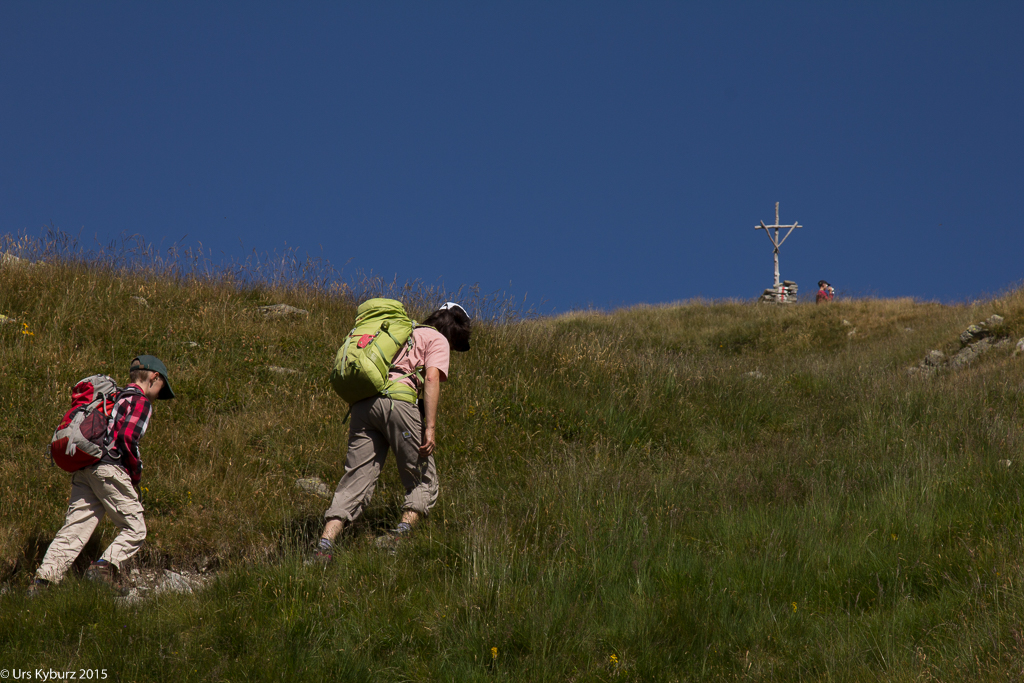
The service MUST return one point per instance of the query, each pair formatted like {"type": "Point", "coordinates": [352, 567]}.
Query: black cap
{"type": "Point", "coordinates": [156, 365]}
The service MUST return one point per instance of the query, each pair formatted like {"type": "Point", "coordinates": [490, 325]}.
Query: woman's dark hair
{"type": "Point", "coordinates": [454, 324]}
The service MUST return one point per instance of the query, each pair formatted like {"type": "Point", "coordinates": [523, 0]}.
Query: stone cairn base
{"type": "Point", "coordinates": [785, 294]}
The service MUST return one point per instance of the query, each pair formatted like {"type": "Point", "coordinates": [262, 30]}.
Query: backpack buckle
{"type": "Point", "coordinates": [364, 340]}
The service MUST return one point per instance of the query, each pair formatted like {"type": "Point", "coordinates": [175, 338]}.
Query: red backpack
{"type": "Point", "coordinates": [82, 437]}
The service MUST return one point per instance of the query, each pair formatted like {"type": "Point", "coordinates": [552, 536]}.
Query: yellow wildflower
{"type": "Point", "coordinates": [494, 653]}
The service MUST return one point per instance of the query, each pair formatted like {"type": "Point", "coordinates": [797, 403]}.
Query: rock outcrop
{"type": "Point", "coordinates": [277, 311]}
{"type": "Point", "coordinates": [146, 583]}
{"type": "Point", "coordinates": [10, 260]}
{"type": "Point", "coordinates": [976, 340]}
{"type": "Point", "coordinates": [316, 486]}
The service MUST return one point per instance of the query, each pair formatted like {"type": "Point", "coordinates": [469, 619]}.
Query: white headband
{"type": "Point", "coordinates": [448, 305]}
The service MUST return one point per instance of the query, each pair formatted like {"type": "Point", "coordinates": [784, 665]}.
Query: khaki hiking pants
{"type": "Point", "coordinates": [377, 424]}
{"type": "Point", "coordinates": [95, 491]}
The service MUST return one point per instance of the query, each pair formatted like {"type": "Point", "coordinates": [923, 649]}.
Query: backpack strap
{"type": "Point", "coordinates": [419, 371]}
{"type": "Point", "coordinates": [127, 392]}
{"type": "Point", "coordinates": [119, 394]}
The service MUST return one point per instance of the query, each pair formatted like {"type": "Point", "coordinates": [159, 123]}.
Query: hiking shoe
{"type": "Point", "coordinates": [388, 543]}
{"type": "Point", "coordinates": [106, 573]}
{"type": "Point", "coordinates": [319, 557]}
{"type": "Point", "coordinates": [37, 587]}
{"type": "Point", "coordinates": [393, 538]}
{"type": "Point", "coordinates": [321, 554]}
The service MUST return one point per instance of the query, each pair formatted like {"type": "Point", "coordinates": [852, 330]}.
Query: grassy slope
{"type": "Point", "coordinates": [620, 499]}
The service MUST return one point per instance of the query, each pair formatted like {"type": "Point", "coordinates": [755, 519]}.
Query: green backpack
{"type": "Point", "coordinates": [365, 360]}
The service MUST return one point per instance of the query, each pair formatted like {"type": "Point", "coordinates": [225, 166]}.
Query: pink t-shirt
{"type": "Point", "coordinates": [429, 350]}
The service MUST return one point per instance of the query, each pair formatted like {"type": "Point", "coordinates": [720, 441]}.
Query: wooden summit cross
{"type": "Point", "coordinates": [775, 239]}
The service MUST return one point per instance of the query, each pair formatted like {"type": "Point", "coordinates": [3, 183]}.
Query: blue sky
{"type": "Point", "coordinates": [576, 153]}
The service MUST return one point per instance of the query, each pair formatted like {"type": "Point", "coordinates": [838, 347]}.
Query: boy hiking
{"type": "Point", "coordinates": [409, 429]}
{"type": "Point", "coordinates": [108, 485]}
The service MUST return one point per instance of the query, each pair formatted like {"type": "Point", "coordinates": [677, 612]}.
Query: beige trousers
{"type": "Point", "coordinates": [96, 491]}
{"type": "Point", "coordinates": [377, 424]}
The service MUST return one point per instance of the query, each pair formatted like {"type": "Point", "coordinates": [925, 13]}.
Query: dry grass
{"type": "Point", "coordinates": [708, 490]}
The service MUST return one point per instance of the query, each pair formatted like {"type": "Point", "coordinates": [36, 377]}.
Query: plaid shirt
{"type": "Point", "coordinates": [128, 422]}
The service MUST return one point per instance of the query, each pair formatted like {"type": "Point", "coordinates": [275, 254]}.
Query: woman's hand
{"type": "Point", "coordinates": [428, 444]}
{"type": "Point", "coordinates": [431, 397]}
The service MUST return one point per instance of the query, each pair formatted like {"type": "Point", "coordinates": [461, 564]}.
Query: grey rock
{"type": "Point", "coordinates": [934, 358]}
{"type": "Point", "coordinates": [173, 582]}
{"type": "Point", "coordinates": [140, 301]}
{"type": "Point", "coordinates": [15, 262]}
{"type": "Point", "coordinates": [852, 333]}
{"type": "Point", "coordinates": [973, 333]}
{"type": "Point", "coordinates": [282, 371]}
{"type": "Point", "coordinates": [316, 486]}
{"type": "Point", "coordinates": [191, 344]}
{"type": "Point", "coordinates": [133, 598]}
{"type": "Point", "coordinates": [847, 323]}
{"type": "Point", "coordinates": [5, 320]}
{"type": "Point", "coordinates": [277, 311]}
{"type": "Point", "coordinates": [993, 321]}
{"type": "Point", "coordinates": [1020, 346]}
{"type": "Point", "coordinates": [754, 374]}
{"type": "Point", "coordinates": [969, 353]}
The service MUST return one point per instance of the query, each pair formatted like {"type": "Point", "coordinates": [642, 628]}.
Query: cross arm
{"type": "Point", "coordinates": [789, 231]}
{"type": "Point", "coordinates": [768, 232]}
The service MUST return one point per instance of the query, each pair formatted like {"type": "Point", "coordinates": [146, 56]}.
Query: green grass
{"type": "Point", "coordinates": [621, 498]}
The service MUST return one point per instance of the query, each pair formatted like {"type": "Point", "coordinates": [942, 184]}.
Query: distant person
{"type": "Point", "coordinates": [108, 487]}
{"type": "Point", "coordinates": [379, 423]}
{"type": "Point", "coordinates": [826, 292]}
